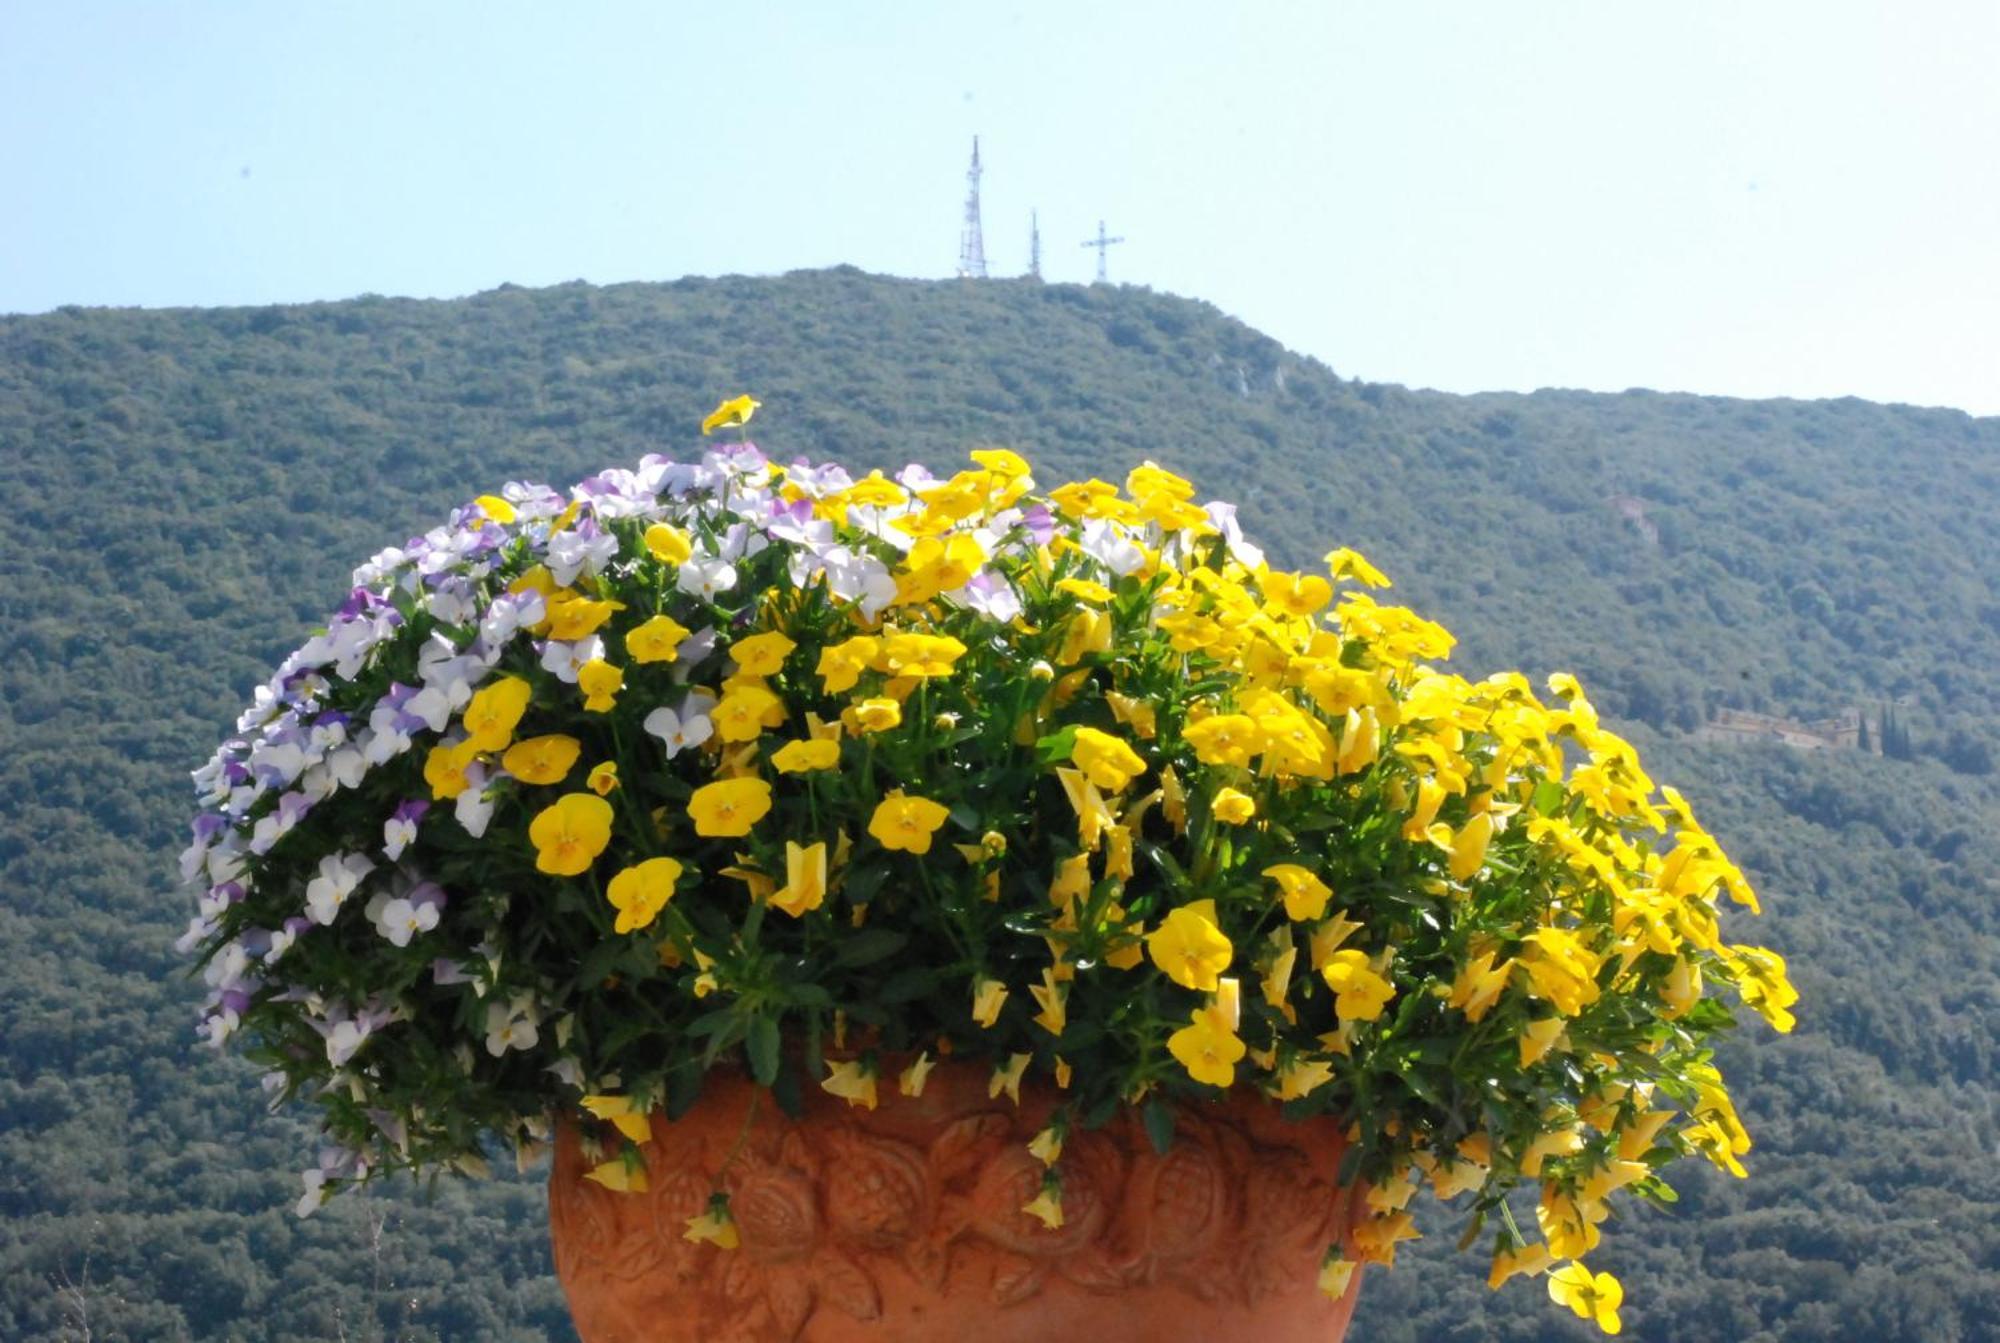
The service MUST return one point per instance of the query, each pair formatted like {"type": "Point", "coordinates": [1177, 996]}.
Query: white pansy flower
{"type": "Point", "coordinates": [314, 1198]}
{"type": "Point", "coordinates": [679, 731]}
{"type": "Point", "coordinates": [339, 874]}
{"type": "Point", "coordinates": [400, 920]}
{"type": "Point", "coordinates": [564, 660]}
{"type": "Point", "coordinates": [473, 808]}
{"type": "Point", "coordinates": [705, 575]}
{"type": "Point", "coordinates": [1107, 543]}
{"type": "Point", "coordinates": [510, 1026]}
{"type": "Point", "coordinates": [571, 553]}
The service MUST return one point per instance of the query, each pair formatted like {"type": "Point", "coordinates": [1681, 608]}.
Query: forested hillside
{"type": "Point", "coordinates": [187, 492]}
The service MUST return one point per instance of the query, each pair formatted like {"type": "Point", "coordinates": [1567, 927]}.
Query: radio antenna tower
{"type": "Point", "coordinates": [971, 245]}
{"type": "Point", "coordinates": [1034, 246]}
{"type": "Point", "coordinates": [1101, 243]}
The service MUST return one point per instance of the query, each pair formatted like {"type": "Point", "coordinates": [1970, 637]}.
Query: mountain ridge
{"type": "Point", "coordinates": [190, 489]}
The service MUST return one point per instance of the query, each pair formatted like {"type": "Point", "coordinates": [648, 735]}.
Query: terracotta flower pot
{"type": "Point", "coordinates": [906, 1223]}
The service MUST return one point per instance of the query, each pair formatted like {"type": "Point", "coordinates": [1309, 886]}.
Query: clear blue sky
{"type": "Point", "coordinates": [1753, 199]}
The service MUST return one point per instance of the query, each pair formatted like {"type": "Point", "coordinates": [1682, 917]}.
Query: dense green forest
{"type": "Point", "coordinates": [189, 490]}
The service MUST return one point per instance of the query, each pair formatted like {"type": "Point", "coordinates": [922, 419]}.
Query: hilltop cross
{"type": "Point", "coordinates": [1101, 243]}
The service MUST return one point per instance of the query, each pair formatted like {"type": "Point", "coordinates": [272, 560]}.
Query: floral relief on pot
{"type": "Point", "coordinates": [908, 1222]}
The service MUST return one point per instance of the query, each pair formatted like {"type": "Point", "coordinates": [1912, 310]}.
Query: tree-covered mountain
{"type": "Point", "coordinates": [187, 492]}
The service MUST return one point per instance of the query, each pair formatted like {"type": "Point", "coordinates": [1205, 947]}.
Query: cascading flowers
{"type": "Point", "coordinates": [726, 763]}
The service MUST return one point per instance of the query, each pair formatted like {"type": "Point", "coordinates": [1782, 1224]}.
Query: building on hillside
{"type": "Point", "coordinates": [1843, 731]}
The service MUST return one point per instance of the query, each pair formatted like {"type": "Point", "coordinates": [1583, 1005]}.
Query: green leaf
{"type": "Point", "coordinates": [683, 1088]}
{"type": "Point", "coordinates": [598, 961]}
{"type": "Point", "coordinates": [1056, 748]}
{"type": "Point", "coordinates": [710, 1023]}
{"type": "Point", "coordinates": [906, 986]}
{"type": "Point", "coordinates": [803, 994]}
{"type": "Point", "coordinates": [869, 946]}
{"type": "Point", "coordinates": [760, 1045]}
{"type": "Point", "coordinates": [862, 881]}
{"type": "Point", "coordinates": [785, 1090]}
{"type": "Point", "coordinates": [1159, 1118]}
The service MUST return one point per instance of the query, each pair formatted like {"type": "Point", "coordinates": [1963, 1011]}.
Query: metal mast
{"type": "Point", "coordinates": [1101, 243]}
{"type": "Point", "coordinates": [971, 245]}
{"type": "Point", "coordinates": [1034, 246]}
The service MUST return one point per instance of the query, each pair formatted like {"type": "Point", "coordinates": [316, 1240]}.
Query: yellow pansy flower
{"type": "Point", "coordinates": [1108, 762]}
{"type": "Point", "coordinates": [713, 1225]}
{"type": "Point", "coordinates": [1089, 632]}
{"type": "Point", "coordinates": [1225, 739]}
{"type": "Point", "coordinates": [656, 640]}
{"type": "Point", "coordinates": [1007, 1078]}
{"type": "Point", "coordinates": [542, 760]}
{"type": "Point", "coordinates": [1049, 996]}
{"type": "Point", "coordinates": [761, 654]}
{"type": "Point", "coordinates": [1190, 948]}
{"type": "Point", "coordinates": [805, 879]}
{"type": "Point", "coordinates": [1232, 806]}
{"type": "Point", "coordinates": [1305, 894]}
{"type": "Point", "coordinates": [1046, 1146]}
{"type": "Point", "coordinates": [730, 807]}
{"type": "Point", "coordinates": [1335, 1273]}
{"type": "Point", "coordinates": [1002, 462]}
{"type": "Point", "coordinates": [1084, 588]}
{"type": "Point", "coordinates": [1302, 1077]}
{"type": "Point", "coordinates": [1091, 499]}
{"type": "Point", "coordinates": [1594, 1297]}
{"type": "Point", "coordinates": [841, 664]}
{"type": "Point", "coordinates": [1149, 478]}
{"type": "Point", "coordinates": [797, 757]}
{"type": "Point", "coordinates": [618, 1176]}
{"type": "Point", "coordinates": [1538, 1038]}
{"type": "Point", "coordinates": [603, 778]}
{"type": "Point", "coordinates": [1046, 1206]}
{"type": "Point", "coordinates": [600, 683]}
{"type": "Point", "coordinates": [1346, 563]}
{"type": "Point", "coordinates": [906, 823]}
{"type": "Point", "coordinates": [987, 997]}
{"type": "Point", "coordinates": [1208, 1047]}
{"type": "Point", "coordinates": [911, 1082]}
{"type": "Point", "coordinates": [445, 766]}
{"type": "Point", "coordinates": [496, 508]}
{"type": "Point", "coordinates": [735, 411]}
{"type": "Point", "coordinates": [572, 617]}
{"type": "Point", "coordinates": [1092, 815]}
{"type": "Point", "coordinates": [918, 655]}
{"type": "Point", "coordinates": [569, 833]}
{"type": "Point", "coordinates": [668, 544]}
{"type": "Point", "coordinates": [639, 893]}
{"type": "Point", "coordinates": [1468, 847]}
{"type": "Point", "coordinates": [1296, 595]}
{"type": "Point", "coordinates": [1479, 985]}
{"type": "Point", "coordinates": [623, 1114]}
{"type": "Point", "coordinates": [741, 714]}
{"type": "Point", "coordinates": [1562, 1142]}
{"type": "Point", "coordinates": [492, 714]}
{"type": "Point", "coordinates": [1533, 1260]}
{"type": "Point", "coordinates": [1142, 716]}
{"type": "Point", "coordinates": [873, 715]}
{"type": "Point", "coordinates": [853, 1082]}
{"type": "Point", "coordinates": [1360, 993]}
{"type": "Point", "coordinates": [1072, 880]}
